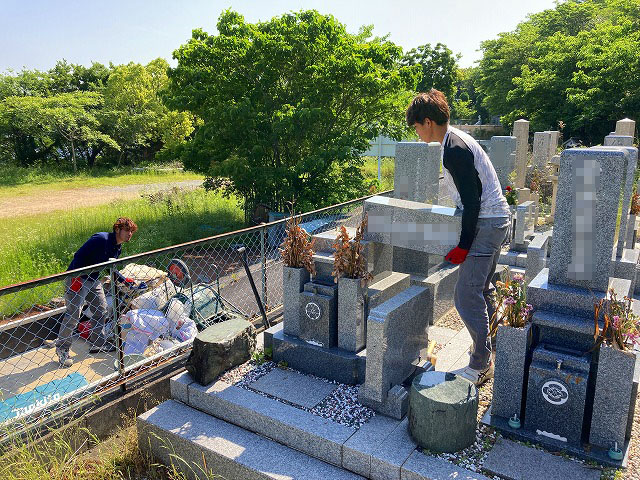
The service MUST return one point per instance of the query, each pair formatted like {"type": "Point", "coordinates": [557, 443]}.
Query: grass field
{"type": "Point", "coordinates": [16, 181]}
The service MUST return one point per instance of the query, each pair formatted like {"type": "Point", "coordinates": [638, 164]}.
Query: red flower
{"type": "Point", "coordinates": [508, 188]}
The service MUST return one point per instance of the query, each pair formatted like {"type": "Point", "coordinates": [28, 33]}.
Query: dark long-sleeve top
{"type": "Point", "coordinates": [98, 249]}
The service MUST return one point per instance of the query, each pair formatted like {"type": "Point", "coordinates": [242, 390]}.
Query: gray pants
{"type": "Point", "coordinates": [474, 294]}
{"type": "Point", "coordinates": [93, 293]}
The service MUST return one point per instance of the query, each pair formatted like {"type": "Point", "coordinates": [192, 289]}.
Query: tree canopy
{"type": "Point", "coordinates": [288, 105]}
{"type": "Point", "coordinates": [577, 63]}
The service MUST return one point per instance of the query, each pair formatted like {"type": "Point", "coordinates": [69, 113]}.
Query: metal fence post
{"type": "Point", "coordinates": [263, 263]}
{"type": "Point", "coordinates": [116, 318]}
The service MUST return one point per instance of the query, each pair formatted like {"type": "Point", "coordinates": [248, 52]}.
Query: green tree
{"type": "Point", "coordinates": [439, 68]}
{"type": "Point", "coordinates": [288, 105]}
{"type": "Point", "coordinates": [134, 112]}
{"type": "Point", "coordinates": [573, 64]}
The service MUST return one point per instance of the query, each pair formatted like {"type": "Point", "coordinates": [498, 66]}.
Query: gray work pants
{"type": "Point", "coordinates": [93, 294]}
{"type": "Point", "coordinates": [475, 293]}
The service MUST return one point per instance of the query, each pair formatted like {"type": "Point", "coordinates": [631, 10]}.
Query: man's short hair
{"type": "Point", "coordinates": [125, 223]}
{"type": "Point", "coordinates": [432, 105]}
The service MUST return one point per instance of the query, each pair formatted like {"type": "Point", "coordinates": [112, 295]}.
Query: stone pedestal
{"type": "Point", "coordinates": [442, 411]}
{"type": "Point", "coordinates": [352, 293]}
{"type": "Point", "coordinates": [512, 349]}
{"type": "Point", "coordinates": [293, 281]}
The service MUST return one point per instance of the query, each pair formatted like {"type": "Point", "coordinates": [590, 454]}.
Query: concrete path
{"type": "Point", "coordinates": [454, 354]}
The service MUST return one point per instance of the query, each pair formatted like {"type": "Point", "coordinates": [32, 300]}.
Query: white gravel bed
{"type": "Point", "coordinates": [341, 406]}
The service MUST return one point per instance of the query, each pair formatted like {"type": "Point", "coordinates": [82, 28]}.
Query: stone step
{"type": "Point", "coordinates": [323, 242]}
{"type": "Point", "coordinates": [382, 290]}
{"type": "Point", "coordinates": [185, 437]}
{"type": "Point", "coordinates": [381, 449]}
{"type": "Point", "coordinates": [513, 258]}
{"type": "Point", "coordinates": [323, 261]}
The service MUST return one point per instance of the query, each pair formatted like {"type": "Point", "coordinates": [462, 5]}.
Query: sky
{"type": "Point", "coordinates": [34, 34]}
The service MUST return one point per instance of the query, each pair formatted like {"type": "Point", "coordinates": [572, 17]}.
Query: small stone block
{"type": "Point", "coordinates": [514, 461]}
{"type": "Point", "coordinates": [512, 348]}
{"type": "Point", "coordinates": [356, 452]}
{"type": "Point", "coordinates": [293, 281]}
{"type": "Point", "coordinates": [294, 387]}
{"type": "Point", "coordinates": [351, 313]}
{"type": "Point", "coordinates": [178, 386]}
{"type": "Point", "coordinates": [388, 458]}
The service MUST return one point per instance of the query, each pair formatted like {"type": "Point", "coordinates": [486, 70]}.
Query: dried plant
{"type": "Point", "coordinates": [621, 328]}
{"type": "Point", "coordinates": [297, 249]}
{"type": "Point", "coordinates": [349, 261]}
{"type": "Point", "coordinates": [635, 204]}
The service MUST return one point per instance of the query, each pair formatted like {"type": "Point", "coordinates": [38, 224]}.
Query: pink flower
{"type": "Point", "coordinates": [518, 278]}
{"type": "Point", "coordinates": [616, 322]}
{"type": "Point", "coordinates": [509, 301]}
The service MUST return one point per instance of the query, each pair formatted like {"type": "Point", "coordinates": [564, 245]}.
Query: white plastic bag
{"type": "Point", "coordinates": [146, 326]}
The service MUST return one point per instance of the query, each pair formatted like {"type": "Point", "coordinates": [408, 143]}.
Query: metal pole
{"type": "Point", "coordinates": [379, 158]}
{"type": "Point", "coordinates": [116, 319]}
{"type": "Point", "coordinates": [263, 260]}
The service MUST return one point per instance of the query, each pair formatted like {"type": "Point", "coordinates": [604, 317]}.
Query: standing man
{"type": "Point", "coordinates": [474, 187]}
{"type": "Point", "coordinates": [98, 249]}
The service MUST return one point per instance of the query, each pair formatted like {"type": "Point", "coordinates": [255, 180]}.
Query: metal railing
{"type": "Point", "coordinates": [66, 337]}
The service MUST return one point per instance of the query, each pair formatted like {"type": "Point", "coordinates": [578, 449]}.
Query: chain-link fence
{"type": "Point", "coordinates": [66, 337]}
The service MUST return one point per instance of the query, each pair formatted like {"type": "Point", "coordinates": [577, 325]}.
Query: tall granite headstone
{"type": "Point", "coordinates": [521, 132]}
{"type": "Point", "coordinates": [589, 187]}
{"type": "Point", "coordinates": [542, 142]}
{"type": "Point", "coordinates": [626, 127]}
{"type": "Point", "coordinates": [502, 153]}
{"type": "Point", "coordinates": [416, 174]}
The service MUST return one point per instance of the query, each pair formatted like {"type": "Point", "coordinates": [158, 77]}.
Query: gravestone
{"type": "Point", "coordinates": [319, 315]}
{"type": "Point", "coordinates": [502, 153]}
{"type": "Point", "coordinates": [588, 192]}
{"type": "Point", "coordinates": [525, 224]}
{"type": "Point", "coordinates": [542, 145]}
{"type": "Point", "coordinates": [416, 174]}
{"type": "Point", "coordinates": [618, 141]}
{"type": "Point", "coordinates": [416, 178]}
{"type": "Point", "coordinates": [521, 132]}
{"type": "Point", "coordinates": [626, 127]}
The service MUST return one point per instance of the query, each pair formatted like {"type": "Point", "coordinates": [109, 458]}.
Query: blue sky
{"type": "Point", "coordinates": [37, 33]}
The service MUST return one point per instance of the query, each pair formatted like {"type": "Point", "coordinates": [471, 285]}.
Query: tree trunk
{"type": "Point", "coordinates": [73, 157]}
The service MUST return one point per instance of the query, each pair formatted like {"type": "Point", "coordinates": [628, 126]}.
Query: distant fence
{"type": "Point", "coordinates": [152, 321]}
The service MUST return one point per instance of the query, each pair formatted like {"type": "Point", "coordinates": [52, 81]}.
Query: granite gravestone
{"type": "Point", "coordinates": [626, 127]}
{"type": "Point", "coordinates": [589, 189]}
{"type": "Point", "coordinates": [319, 315]}
{"type": "Point", "coordinates": [502, 153]}
{"type": "Point", "coordinates": [521, 132]}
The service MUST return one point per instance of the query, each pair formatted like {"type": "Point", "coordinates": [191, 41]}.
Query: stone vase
{"type": "Point", "coordinates": [352, 313]}
{"type": "Point", "coordinates": [512, 348]}
{"type": "Point", "coordinates": [513, 209]}
{"type": "Point", "coordinates": [293, 281]}
{"type": "Point", "coordinates": [614, 398]}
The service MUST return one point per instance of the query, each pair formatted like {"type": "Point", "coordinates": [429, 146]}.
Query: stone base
{"type": "Point", "coordinates": [570, 300]}
{"type": "Point", "coordinates": [625, 266]}
{"type": "Point", "coordinates": [589, 453]}
{"type": "Point", "coordinates": [395, 405]}
{"type": "Point", "coordinates": [332, 363]}
{"type": "Point", "coordinates": [513, 258]}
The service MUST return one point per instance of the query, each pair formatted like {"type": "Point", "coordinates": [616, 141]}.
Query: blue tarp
{"type": "Point", "coordinates": [46, 394]}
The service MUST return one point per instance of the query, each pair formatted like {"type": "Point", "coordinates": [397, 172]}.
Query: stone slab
{"type": "Point", "coordinates": [173, 430]}
{"type": "Point", "coordinates": [513, 258]}
{"type": "Point", "coordinates": [440, 285]}
{"type": "Point", "coordinates": [332, 363]}
{"type": "Point", "coordinates": [417, 171]}
{"type": "Point", "coordinates": [512, 348]}
{"type": "Point", "coordinates": [388, 458]}
{"type": "Point", "coordinates": [418, 226]}
{"type": "Point", "coordinates": [293, 281]}
{"type": "Point", "coordinates": [626, 127]}
{"type": "Point", "coordinates": [382, 290]}
{"type": "Point", "coordinates": [420, 466]}
{"type": "Point", "coordinates": [514, 461]}
{"type": "Point", "coordinates": [589, 187]}
{"type": "Point", "coordinates": [352, 313]}
{"type": "Point", "coordinates": [294, 387]}
{"type": "Point", "coordinates": [178, 386]}
{"type": "Point", "coordinates": [316, 436]}
{"type": "Point", "coordinates": [396, 340]}
{"type": "Point", "coordinates": [618, 141]}
{"type": "Point", "coordinates": [502, 153]}
{"type": "Point", "coordinates": [357, 451]}
{"type": "Point", "coordinates": [521, 132]}
{"type": "Point", "coordinates": [568, 331]}
{"type": "Point", "coordinates": [590, 454]}
{"type": "Point", "coordinates": [569, 299]}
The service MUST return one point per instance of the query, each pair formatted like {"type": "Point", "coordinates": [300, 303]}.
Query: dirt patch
{"type": "Point", "coordinates": [34, 204]}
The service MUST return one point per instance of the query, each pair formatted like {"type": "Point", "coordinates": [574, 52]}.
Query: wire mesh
{"type": "Point", "coordinates": [66, 337]}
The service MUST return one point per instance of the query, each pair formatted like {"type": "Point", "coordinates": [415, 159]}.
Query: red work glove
{"type": "Point", "coordinates": [129, 282]}
{"type": "Point", "coordinates": [457, 255]}
{"type": "Point", "coordinates": [76, 284]}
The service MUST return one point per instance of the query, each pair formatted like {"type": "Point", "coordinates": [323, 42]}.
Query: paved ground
{"type": "Point", "coordinates": [83, 197]}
